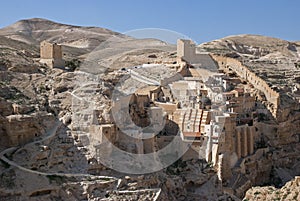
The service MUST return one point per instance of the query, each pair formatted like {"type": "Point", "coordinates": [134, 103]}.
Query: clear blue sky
{"type": "Point", "coordinates": [198, 19]}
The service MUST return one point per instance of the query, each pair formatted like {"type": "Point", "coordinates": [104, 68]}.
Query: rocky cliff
{"type": "Point", "coordinates": [47, 162]}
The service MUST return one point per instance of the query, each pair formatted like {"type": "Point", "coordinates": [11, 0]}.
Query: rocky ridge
{"type": "Point", "coordinates": [33, 96]}
{"type": "Point", "coordinates": [290, 191]}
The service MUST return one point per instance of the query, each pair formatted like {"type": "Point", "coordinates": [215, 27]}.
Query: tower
{"type": "Point", "coordinates": [186, 50]}
{"type": "Point", "coordinates": [51, 55]}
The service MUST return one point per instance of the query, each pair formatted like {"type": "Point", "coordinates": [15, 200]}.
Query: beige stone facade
{"type": "Point", "coordinates": [103, 133]}
{"type": "Point", "coordinates": [191, 123]}
{"type": "Point", "coordinates": [51, 55]}
{"type": "Point", "coordinates": [230, 65]}
{"type": "Point", "coordinates": [186, 51]}
{"type": "Point", "coordinates": [21, 129]}
{"type": "Point", "coordinates": [239, 102]}
{"type": "Point", "coordinates": [222, 137]}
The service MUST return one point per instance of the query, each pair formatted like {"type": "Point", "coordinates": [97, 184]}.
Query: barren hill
{"type": "Point", "coordinates": [275, 60]}
{"type": "Point", "coordinates": [254, 47]}
{"type": "Point", "coordinates": [77, 41]}
{"type": "Point", "coordinates": [33, 31]}
{"type": "Point", "coordinates": [47, 106]}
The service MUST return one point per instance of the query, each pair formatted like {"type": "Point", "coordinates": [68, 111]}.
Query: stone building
{"type": "Point", "coordinates": [238, 101]}
{"type": "Point", "coordinates": [21, 129]}
{"type": "Point", "coordinates": [230, 65]}
{"type": "Point", "coordinates": [186, 51]}
{"type": "Point", "coordinates": [188, 92]}
{"type": "Point", "coordinates": [153, 92]}
{"type": "Point", "coordinates": [51, 55]}
{"type": "Point", "coordinates": [227, 143]}
{"type": "Point", "coordinates": [191, 123]}
{"type": "Point", "coordinates": [102, 133]}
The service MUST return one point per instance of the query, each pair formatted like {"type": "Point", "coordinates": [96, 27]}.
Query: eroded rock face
{"type": "Point", "coordinates": [24, 68]}
{"type": "Point", "coordinates": [32, 97]}
{"type": "Point", "coordinates": [3, 65]}
{"type": "Point", "coordinates": [20, 129]}
{"type": "Point", "coordinates": [290, 191]}
{"type": "Point", "coordinates": [6, 108]}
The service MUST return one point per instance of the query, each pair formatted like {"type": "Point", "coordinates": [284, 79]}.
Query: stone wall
{"type": "Point", "coordinates": [186, 51]}
{"type": "Point", "coordinates": [182, 71]}
{"type": "Point", "coordinates": [227, 143]}
{"type": "Point", "coordinates": [169, 108]}
{"type": "Point", "coordinates": [244, 140]}
{"type": "Point", "coordinates": [46, 50]}
{"type": "Point", "coordinates": [102, 133]}
{"type": "Point", "coordinates": [232, 65]}
{"type": "Point", "coordinates": [50, 51]}
{"type": "Point", "coordinates": [171, 79]}
{"type": "Point", "coordinates": [57, 52]}
{"type": "Point", "coordinates": [21, 129]}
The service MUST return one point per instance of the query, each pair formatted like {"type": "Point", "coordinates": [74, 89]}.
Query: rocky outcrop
{"type": "Point", "coordinates": [31, 96]}
{"type": "Point", "coordinates": [252, 46]}
{"type": "Point", "coordinates": [6, 107]}
{"type": "Point", "coordinates": [21, 129]}
{"type": "Point", "coordinates": [290, 191]}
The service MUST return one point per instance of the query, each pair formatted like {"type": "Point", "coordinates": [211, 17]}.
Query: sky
{"type": "Point", "coordinates": [199, 20]}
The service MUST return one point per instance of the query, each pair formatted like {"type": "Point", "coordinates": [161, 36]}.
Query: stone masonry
{"type": "Point", "coordinates": [51, 55]}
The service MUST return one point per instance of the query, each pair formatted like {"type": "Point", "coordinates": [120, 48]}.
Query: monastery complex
{"type": "Point", "coordinates": [214, 103]}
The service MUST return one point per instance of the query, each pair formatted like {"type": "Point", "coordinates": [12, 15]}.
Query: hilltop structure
{"type": "Point", "coordinates": [215, 116]}
{"type": "Point", "coordinates": [187, 51]}
{"type": "Point", "coordinates": [219, 118]}
{"type": "Point", "coordinates": [51, 55]}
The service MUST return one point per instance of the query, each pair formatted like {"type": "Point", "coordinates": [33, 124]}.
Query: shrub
{"type": "Point", "coordinates": [73, 64]}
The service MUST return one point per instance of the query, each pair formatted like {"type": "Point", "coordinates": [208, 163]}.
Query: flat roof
{"type": "Point", "coordinates": [192, 134]}
{"type": "Point", "coordinates": [145, 90]}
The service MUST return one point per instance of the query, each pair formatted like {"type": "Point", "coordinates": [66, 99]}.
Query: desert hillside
{"type": "Point", "coordinates": [33, 31]}
{"type": "Point", "coordinates": [254, 47]}
{"type": "Point", "coordinates": [78, 42]}
{"type": "Point", "coordinates": [58, 124]}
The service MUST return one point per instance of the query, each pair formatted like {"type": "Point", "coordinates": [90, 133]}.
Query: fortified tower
{"type": "Point", "coordinates": [186, 50]}
{"type": "Point", "coordinates": [51, 55]}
